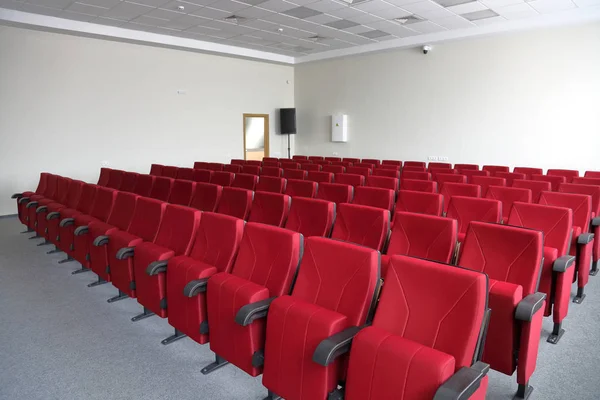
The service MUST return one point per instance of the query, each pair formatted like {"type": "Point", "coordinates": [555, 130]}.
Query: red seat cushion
{"type": "Point", "coordinates": [387, 366]}
{"type": "Point", "coordinates": [121, 271]}
{"type": "Point", "coordinates": [151, 290]}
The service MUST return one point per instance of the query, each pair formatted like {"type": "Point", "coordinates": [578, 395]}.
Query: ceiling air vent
{"type": "Point", "coordinates": [410, 19]}
{"type": "Point", "coordinates": [355, 2]}
{"type": "Point", "coordinates": [234, 19]}
{"type": "Point", "coordinates": [317, 38]}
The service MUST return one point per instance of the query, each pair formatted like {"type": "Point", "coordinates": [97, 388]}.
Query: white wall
{"type": "Point", "coordinates": [528, 99]}
{"type": "Point", "coordinates": [68, 103]}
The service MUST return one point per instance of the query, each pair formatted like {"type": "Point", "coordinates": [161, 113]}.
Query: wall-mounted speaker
{"type": "Point", "coordinates": [287, 119]}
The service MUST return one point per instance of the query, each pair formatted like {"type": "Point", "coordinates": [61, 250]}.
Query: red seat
{"type": "Point", "coordinates": [53, 215]}
{"type": "Point", "coordinates": [144, 185]}
{"type": "Point", "coordinates": [333, 158]}
{"type": "Point", "coordinates": [235, 202]}
{"type": "Point", "coordinates": [169, 171]}
{"type": "Point", "coordinates": [374, 197]}
{"type": "Point", "coordinates": [438, 165]}
{"type": "Point", "coordinates": [206, 197]}
{"type": "Point", "coordinates": [319, 176]}
{"type": "Point", "coordinates": [371, 161]}
{"type": "Point", "coordinates": [450, 189]}
{"type": "Point", "coordinates": [186, 174]}
{"type": "Point", "coordinates": [121, 244]}
{"type": "Point", "coordinates": [389, 173]}
{"type": "Point", "coordinates": [251, 169]}
{"type": "Point", "coordinates": [156, 169]}
{"type": "Point", "coordinates": [129, 181]}
{"type": "Point", "coordinates": [271, 184]}
{"type": "Point", "coordinates": [423, 236]}
{"type": "Point", "coordinates": [336, 169]}
{"type": "Point", "coordinates": [264, 269]}
{"type": "Point", "coordinates": [351, 160]}
{"type": "Point", "coordinates": [335, 293]}
{"type": "Point", "coordinates": [299, 158]}
{"type": "Point", "coordinates": [24, 197]}
{"type": "Point", "coordinates": [38, 209]}
{"type": "Point", "coordinates": [270, 159]}
{"type": "Point", "coordinates": [486, 181]}
{"type": "Point", "coordinates": [455, 178]}
{"type": "Point", "coordinates": [290, 165]}
{"type": "Point", "coordinates": [470, 173]}
{"type": "Point", "coordinates": [392, 162]}
{"type": "Point", "coordinates": [344, 164]}
{"type": "Point", "coordinates": [367, 226]}
{"type": "Point", "coordinates": [419, 185]}
{"type": "Point", "coordinates": [388, 166]}
{"type": "Point", "coordinates": [272, 171]}
{"type": "Point", "coordinates": [587, 181]}
{"type": "Point", "coordinates": [174, 238]}
{"type": "Point", "coordinates": [316, 158]}
{"type": "Point", "coordinates": [511, 257]}
{"type": "Point", "coordinates": [364, 171]}
{"type": "Point", "coordinates": [383, 182]}
{"type": "Point", "coordinates": [336, 192]}
{"type": "Point", "coordinates": [311, 167]}
{"type": "Point", "coordinates": [311, 217]}
{"type": "Point", "coordinates": [214, 249]}
{"type": "Point", "coordinates": [536, 187]}
{"type": "Point", "coordinates": [370, 166]}
{"type": "Point", "coordinates": [554, 180]}
{"type": "Point", "coordinates": [467, 209]}
{"type": "Point", "coordinates": [115, 179]}
{"type": "Point", "coordinates": [466, 167]}
{"type": "Point", "coordinates": [495, 168]}
{"type": "Point", "coordinates": [203, 165]}
{"type": "Point", "coordinates": [222, 178]}
{"type": "Point", "coordinates": [297, 187]}
{"type": "Point", "coordinates": [350, 179]}
{"type": "Point", "coordinates": [28, 204]}
{"type": "Point", "coordinates": [424, 176]}
{"type": "Point", "coordinates": [255, 163]}
{"type": "Point", "coordinates": [426, 338]}
{"type": "Point", "coordinates": [419, 164]}
{"type": "Point", "coordinates": [413, 169]}
{"type": "Point", "coordinates": [567, 173]}
{"type": "Point", "coordinates": [104, 176]}
{"type": "Point", "coordinates": [202, 175]}
{"type": "Point", "coordinates": [592, 174]}
{"type": "Point", "coordinates": [161, 189]}
{"type": "Point", "coordinates": [420, 202]}
{"type": "Point", "coordinates": [98, 231]}
{"type": "Point", "coordinates": [528, 171]}
{"type": "Point", "coordinates": [507, 196]}
{"type": "Point", "coordinates": [295, 174]}
{"type": "Point", "coordinates": [557, 271]}
{"type": "Point", "coordinates": [510, 177]}
{"type": "Point", "coordinates": [219, 167]}
{"type": "Point", "coordinates": [235, 168]}
{"type": "Point", "coordinates": [245, 181]}
{"type": "Point", "coordinates": [270, 164]}
{"type": "Point", "coordinates": [270, 208]}
{"type": "Point", "coordinates": [437, 171]}
{"type": "Point", "coordinates": [182, 192]}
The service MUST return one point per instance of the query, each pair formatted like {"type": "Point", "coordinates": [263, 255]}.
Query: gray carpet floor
{"type": "Point", "coordinates": [60, 339]}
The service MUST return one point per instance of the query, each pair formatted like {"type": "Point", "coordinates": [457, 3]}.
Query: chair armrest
{"type": "Point", "coordinates": [529, 306]}
{"type": "Point", "coordinates": [563, 263]}
{"type": "Point", "coordinates": [66, 222]}
{"type": "Point", "coordinates": [334, 346]}
{"type": "Point", "coordinates": [464, 383]}
{"type": "Point", "coordinates": [156, 267]}
{"type": "Point", "coordinates": [31, 204]}
{"type": "Point", "coordinates": [253, 311]}
{"type": "Point", "coordinates": [125, 253]}
{"type": "Point", "coordinates": [41, 209]}
{"type": "Point", "coordinates": [81, 230]}
{"type": "Point", "coordinates": [584, 238]}
{"type": "Point", "coordinates": [23, 200]}
{"type": "Point", "coordinates": [53, 215]}
{"type": "Point", "coordinates": [101, 240]}
{"type": "Point", "coordinates": [16, 196]}
{"type": "Point", "coordinates": [195, 287]}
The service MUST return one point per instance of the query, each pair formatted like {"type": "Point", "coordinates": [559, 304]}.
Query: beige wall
{"type": "Point", "coordinates": [69, 103]}
{"type": "Point", "coordinates": [529, 99]}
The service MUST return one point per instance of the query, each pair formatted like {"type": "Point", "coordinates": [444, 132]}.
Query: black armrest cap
{"type": "Point", "coordinates": [464, 383]}
{"type": "Point", "coordinates": [23, 200]}
{"type": "Point", "coordinates": [32, 204]}
{"type": "Point", "coordinates": [53, 215]}
{"type": "Point", "coordinates": [584, 238]}
{"type": "Point", "coordinates": [157, 267]}
{"type": "Point", "coordinates": [101, 240]}
{"type": "Point", "coordinates": [527, 307]}
{"type": "Point", "coordinates": [253, 311]}
{"type": "Point", "coordinates": [16, 196]}
{"type": "Point", "coordinates": [81, 230]}
{"type": "Point", "coordinates": [563, 263]}
{"type": "Point", "coordinates": [596, 221]}
{"type": "Point", "coordinates": [124, 253]}
{"type": "Point", "coordinates": [332, 347]}
{"type": "Point", "coordinates": [41, 209]}
{"type": "Point", "coordinates": [193, 288]}
{"type": "Point", "coordinates": [66, 222]}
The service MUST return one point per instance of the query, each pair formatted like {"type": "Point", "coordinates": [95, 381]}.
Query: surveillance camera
{"type": "Point", "coordinates": [426, 49]}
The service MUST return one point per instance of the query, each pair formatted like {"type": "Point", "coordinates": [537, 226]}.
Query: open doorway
{"type": "Point", "coordinates": [256, 136]}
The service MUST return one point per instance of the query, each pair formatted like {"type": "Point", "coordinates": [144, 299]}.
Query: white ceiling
{"type": "Point", "coordinates": [298, 30]}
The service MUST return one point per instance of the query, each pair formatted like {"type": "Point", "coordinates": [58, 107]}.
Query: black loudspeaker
{"type": "Point", "coordinates": [287, 119]}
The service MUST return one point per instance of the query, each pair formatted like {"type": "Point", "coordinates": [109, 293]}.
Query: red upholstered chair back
{"type": "Point", "coordinates": [51, 186]}
{"type": "Point", "coordinates": [424, 176]}
{"type": "Point", "coordinates": [250, 169]}
{"type": "Point", "coordinates": [455, 178]}
{"type": "Point", "coordinates": [270, 208]}
{"type": "Point", "coordinates": [235, 168]}
{"type": "Point", "coordinates": [528, 171]}
{"type": "Point", "coordinates": [510, 177]}
{"type": "Point", "coordinates": [470, 173]}
{"type": "Point", "coordinates": [466, 167]}
{"type": "Point", "coordinates": [202, 175]}
{"type": "Point", "coordinates": [155, 170]}
{"type": "Point", "coordinates": [147, 218]}
{"type": "Point", "coordinates": [504, 253]}
{"type": "Point", "coordinates": [115, 179]}
{"type": "Point", "coordinates": [86, 200]}
{"type": "Point", "coordinates": [374, 197]}
{"type": "Point", "coordinates": [161, 189]}
{"type": "Point", "coordinates": [486, 181]}
{"type": "Point", "coordinates": [439, 165]}
{"type": "Point", "coordinates": [103, 203]}
{"type": "Point", "coordinates": [591, 190]}
{"type": "Point", "coordinates": [336, 169]}
{"type": "Point", "coordinates": [592, 174]}
{"type": "Point", "coordinates": [123, 210]}
{"type": "Point", "coordinates": [245, 181]}
{"type": "Point", "coordinates": [450, 189]}
{"type": "Point", "coordinates": [350, 179]}
{"type": "Point", "coordinates": [182, 192]}
{"type": "Point", "coordinates": [169, 171]}
{"type": "Point", "coordinates": [320, 176]}
{"type": "Point", "coordinates": [364, 171]}
{"type": "Point", "coordinates": [580, 204]}
{"type": "Point", "coordinates": [105, 174]}
{"type": "Point", "coordinates": [272, 171]}
{"type": "Point", "coordinates": [206, 196]}
{"type": "Point", "coordinates": [203, 165]}
{"type": "Point", "coordinates": [420, 202]}
{"type": "Point", "coordinates": [316, 158]}
{"type": "Point", "coordinates": [567, 173]}
{"type": "Point", "coordinates": [129, 181]}
{"type": "Point", "coordinates": [389, 173]}
{"type": "Point", "coordinates": [420, 164]}
{"type": "Point", "coordinates": [271, 184]}
{"type": "Point", "coordinates": [536, 187]}
{"type": "Point", "coordinates": [219, 167]}
{"type": "Point", "coordinates": [185, 173]}
{"type": "Point", "coordinates": [468, 209]}
{"type": "Point", "coordinates": [62, 189]}
{"type": "Point", "coordinates": [311, 217]}
{"type": "Point", "coordinates": [336, 192]}
{"type": "Point", "coordinates": [301, 188]}
{"type": "Point", "coordinates": [144, 185]}
{"type": "Point", "coordinates": [383, 182]}
{"type": "Point", "coordinates": [367, 226]}
{"type": "Point", "coordinates": [371, 161]}
{"type": "Point", "coordinates": [235, 202]}
{"type": "Point", "coordinates": [222, 178]}
{"type": "Point", "coordinates": [587, 181]}
{"type": "Point", "coordinates": [554, 180]}
{"type": "Point", "coordinates": [178, 228]}
{"type": "Point", "coordinates": [495, 168]}
{"type": "Point", "coordinates": [75, 189]}
{"type": "Point", "coordinates": [392, 162]}
{"type": "Point", "coordinates": [295, 173]}
{"type": "Point", "coordinates": [419, 185]}
{"type": "Point", "coordinates": [507, 196]}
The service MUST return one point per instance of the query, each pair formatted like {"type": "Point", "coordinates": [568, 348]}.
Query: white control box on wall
{"type": "Point", "coordinates": [339, 128]}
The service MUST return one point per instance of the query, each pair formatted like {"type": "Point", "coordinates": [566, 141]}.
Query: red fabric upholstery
{"type": "Point", "coordinates": [350, 179]}
{"type": "Point", "coordinates": [587, 181]}
{"type": "Point", "coordinates": [510, 177]}
{"type": "Point", "coordinates": [214, 249]}
{"type": "Point", "coordinates": [333, 158]}
{"type": "Point", "coordinates": [206, 196]}
{"type": "Point", "coordinates": [311, 167]}
{"type": "Point", "coordinates": [486, 181]}
{"type": "Point", "coordinates": [174, 237]}
{"type": "Point", "coordinates": [271, 171]}
{"type": "Point", "coordinates": [144, 226]}
{"type": "Point", "coordinates": [270, 208]}
{"type": "Point", "coordinates": [439, 165]}
{"type": "Point", "coordinates": [528, 171]}
{"type": "Point", "coordinates": [592, 174]}
{"type": "Point", "coordinates": [336, 169]}
{"type": "Point", "coordinates": [289, 165]}
{"type": "Point", "coordinates": [556, 224]}
{"type": "Point", "coordinates": [442, 171]}
{"type": "Point", "coordinates": [185, 173]}
{"type": "Point", "coordinates": [235, 168]}
{"type": "Point", "coordinates": [311, 217]}
{"type": "Point", "coordinates": [567, 173]}
{"type": "Point", "coordinates": [61, 197]}
{"type": "Point", "coordinates": [156, 169]}
{"type": "Point", "coordinates": [245, 181]}
{"type": "Point", "coordinates": [443, 178]}
{"type": "Point", "coordinates": [300, 188]}
{"type": "Point", "coordinates": [414, 164]}
{"type": "Point", "coordinates": [105, 174]}
{"type": "Point", "coordinates": [391, 162]}
{"type": "Point", "coordinates": [267, 261]}
{"type": "Point", "coordinates": [64, 235]}
{"type": "Point", "coordinates": [271, 184]}
{"type": "Point", "coordinates": [22, 206]}
{"type": "Point", "coordinates": [495, 168]}
{"type": "Point", "coordinates": [219, 167]}
{"type": "Point", "coordinates": [450, 189]}
{"type": "Point", "coordinates": [371, 161]}
{"type": "Point", "coordinates": [336, 192]}
{"type": "Point", "coordinates": [370, 166]}
{"type": "Point", "coordinates": [202, 164]}
{"type": "Point", "coordinates": [270, 159]}
{"type": "Point", "coordinates": [251, 169]}
{"type": "Point", "coordinates": [507, 196]}
{"type": "Point", "coordinates": [418, 185]}
{"type": "Point", "coordinates": [129, 181]}
{"type": "Point", "coordinates": [235, 202]}
{"type": "Point", "coordinates": [316, 158]}
{"type": "Point", "coordinates": [319, 176]}
{"type": "Point", "coordinates": [469, 173]}
{"type": "Point", "coordinates": [335, 289]}
{"type": "Point", "coordinates": [169, 171]}
{"type": "Point", "coordinates": [555, 180]}
{"type": "Point", "coordinates": [536, 187]}
{"type": "Point", "coordinates": [420, 202]}
{"type": "Point", "coordinates": [364, 171]}
{"type": "Point", "coordinates": [466, 167]}
{"type": "Point", "coordinates": [143, 185]}
{"type": "Point", "coordinates": [424, 176]}
{"type": "Point", "coordinates": [374, 197]}
{"type": "Point", "coordinates": [255, 163]}
{"type": "Point", "coordinates": [52, 230]}
{"type": "Point", "coordinates": [161, 189]}
{"type": "Point", "coordinates": [115, 179]}
{"type": "Point", "coordinates": [424, 236]}
{"type": "Point", "coordinates": [367, 226]}
{"type": "Point", "coordinates": [222, 178]}
{"type": "Point", "coordinates": [390, 173]}
{"type": "Point", "coordinates": [383, 182]}
{"type": "Point", "coordinates": [182, 192]}
{"type": "Point", "coordinates": [299, 157]}
{"type": "Point", "coordinates": [413, 168]}
{"type": "Point", "coordinates": [298, 174]}
{"type": "Point", "coordinates": [202, 175]}
{"type": "Point", "coordinates": [352, 160]}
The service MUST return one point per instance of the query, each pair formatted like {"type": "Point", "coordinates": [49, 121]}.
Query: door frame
{"type": "Point", "coordinates": [266, 131]}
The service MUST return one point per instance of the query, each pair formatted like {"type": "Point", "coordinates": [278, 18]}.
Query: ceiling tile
{"type": "Point", "coordinates": [517, 11]}
{"type": "Point", "coordinates": [426, 27]}
{"type": "Point", "coordinates": [341, 24]}
{"type": "Point", "coordinates": [86, 9]}
{"type": "Point", "coordinates": [391, 13]}
{"type": "Point", "coordinates": [374, 34]}
{"type": "Point", "coordinates": [501, 3]}
{"type": "Point", "coordinates": [490, 21]}
{"type": "Point", "coordinates": [188, 7]}
{"type": "Point", "coordinates": [468, 8]}
{"type": "Point", "coordinates": [373, 5]}
{"type": "Point", "coordinates": [303, 2]}
{"type": "Point", "coordinates": [51, 3]}
{"type": "Point", "coordinates": [151, 3]}
{"type": "Point", "coordinates": [587, 3]}
{"type": "Point", "coordinates": [358, 29]}
{"type": "Point", "coordinates": [225, 26]}
{"type": "Point", "coordinates": [185, 22]}
{"type": "Point", "coordinates": [260, 24]}
{"type": "Point", "coordinates": [450, 3]}
{"type": "Point", "coordinates": [389, 27]}
{"type": "Point", "coordinates": [477, 15]}
{"type": "Point", "coordinates": [229, 5]}
{"type": "Point", "coordinates": [251, 2]}
{"type": "Point", "coordinates": [326, 5]}
{"type": "Point", "coordinates": [346, 12]}
{"type": "Point", "coordinates": [281, 19]}
{"type": "Point", "coordinates": [277, 5]}
{"type": "Point", "coordinates": [208, 12]}
{"type": "Point", "coordinates": [422, 6]}
{"type": "Point", "coordinates": [302, 12]}
{"type": "Point", "coordinates": [127, 11]}
{"type": "Point", "coordinates": [455, 22]}
{"type": "Point", "coordinates": [253, 12]}
{"type": "Point", "coordinates": [364, 18]}
{"type": "Point", "coordinates": [202, 30]}
{"type": "Point", "coordinates": [436, 13]}
{"type": "Point", "coordinates": [166, 14]}
{"type": "Point", "coordinates": [76, 16]}
{"type": "Point", "coordinates": [322, 19]}
{"type": "Point", "coordinates": [144, 20]}
{"type": "Point", "coordinates": [102, 3]}
{"type": "Point", "coordinates": [201, 2]}
{"type": "Point", "coordinates": [108, 21]}
{"type": "Point", "coordinates": [550, 6]}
